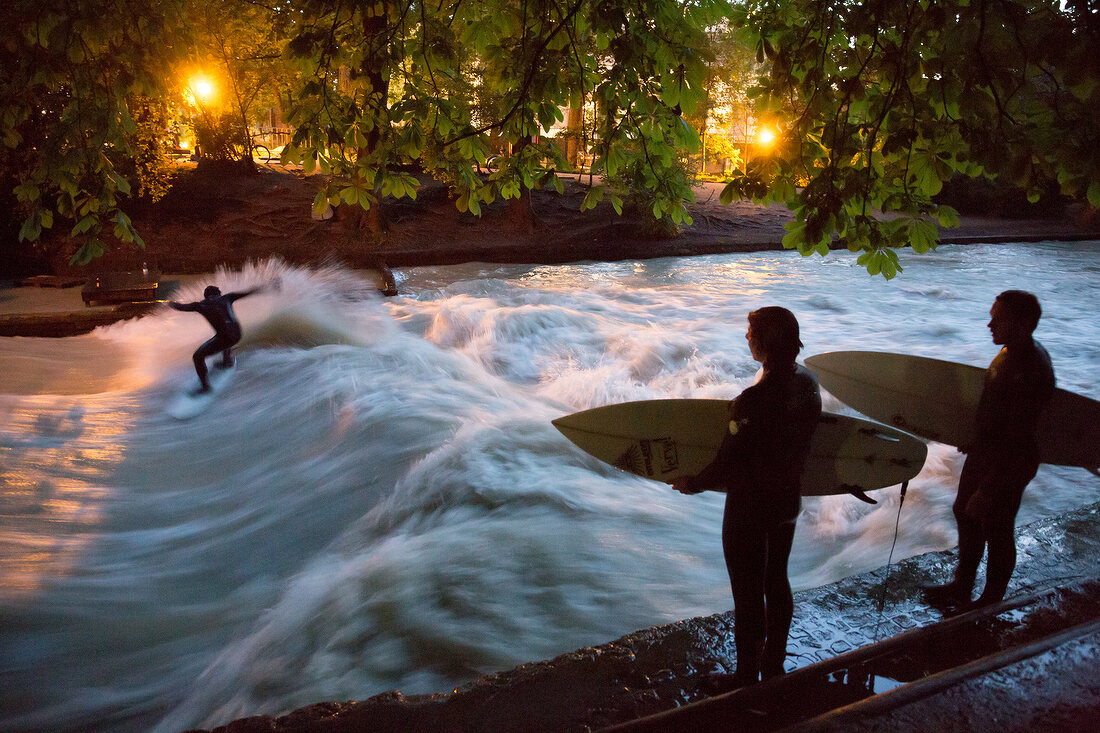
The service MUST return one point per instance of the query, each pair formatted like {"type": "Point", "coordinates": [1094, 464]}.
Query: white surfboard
{"type": "Point", "coordinates": [938, 400]}
{"type": "Point", "coordinates": [191, 402]}
{"type": "Point", "coordinates": [666, 439]}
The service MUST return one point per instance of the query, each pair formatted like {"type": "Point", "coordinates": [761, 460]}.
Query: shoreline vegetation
{"type": "Point", "coordinates": [210, 219]}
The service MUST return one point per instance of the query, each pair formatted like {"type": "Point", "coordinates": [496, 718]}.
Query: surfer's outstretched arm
{"type": "Point", "coordinates": [183, 306]}
{"type": "Point", "coordinates": [242, 293]}
{"type": "Point", "coordinates": [275, 284]}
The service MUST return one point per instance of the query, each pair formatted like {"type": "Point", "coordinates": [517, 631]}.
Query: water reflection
{"type": "Point", "coordinates": [53, 484]}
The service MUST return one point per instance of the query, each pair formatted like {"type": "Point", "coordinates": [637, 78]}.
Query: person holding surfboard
{"type": "Point", "coordinates": [1004, 455]}
{"type": "Point", "coordinates": [217, 309]}
{"type": "Point", "coordinates": [759, 466]}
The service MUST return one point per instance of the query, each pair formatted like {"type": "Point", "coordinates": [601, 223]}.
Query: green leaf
{"type": "Point", "coordinates": [91, 249]}
{"type": "Point", "coordinates": [729, 193]}
{"type": "Point", "coordinates": [670, 93]}
{"type": "Point", "coordinates": [1094, 194]}
{"type": "Point", "coordinates": [320, 203]}
{"type": "Point", "coordinates": [350, 194]}
{"type": "Point", "coordinates": [592, 198]}
{"type": "Point", "coordinates": [27, 192]}
{"type": "Point", "coordinates": [84, 224]}
{"type": "Point", "coordinates": [947, 216]}
{"type": "Point", "coordinates": [923, 235]}
{"type": "Point", "coordinates": [795, 236]}
{"type": "Point", "coordinates": [30, 231]}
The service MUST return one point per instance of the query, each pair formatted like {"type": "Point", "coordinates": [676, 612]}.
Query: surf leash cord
{"type": "Point", "coordinates": [890, 560]}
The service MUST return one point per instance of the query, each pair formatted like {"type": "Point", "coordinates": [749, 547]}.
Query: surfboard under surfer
{"type": "Point", "coordinates": [1004, 456]}
{"type": "Point", "coordinates": [759, 466]}
{"type": "Point", "coordinates": [217, 309]}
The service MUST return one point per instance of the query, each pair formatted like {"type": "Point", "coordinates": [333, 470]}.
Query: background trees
{"type": "Point", "coordinates": [240, 43]}
{"type": "Point", "coordinates": [881, 102]}
{"type": "Point", "coordinates": [446, 85]}
{"type": "Point", "coordinates": [81, 97]}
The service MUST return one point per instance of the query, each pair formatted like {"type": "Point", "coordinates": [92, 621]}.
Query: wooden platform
{"type": "Point", "coordinates": [130, 286]}
{"type": "Point", "coordinates": [52, 281]}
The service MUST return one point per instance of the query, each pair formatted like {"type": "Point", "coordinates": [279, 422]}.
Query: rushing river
{"type": "Point", "coordinates": [378, 500]}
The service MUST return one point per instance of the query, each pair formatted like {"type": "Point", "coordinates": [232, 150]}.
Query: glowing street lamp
{"type": "Point", "coordinates": [200, 91]}
{"type": "Point", "coordinates": [765, 137]}
{"type": "Point", "coordinates": [204, 90]}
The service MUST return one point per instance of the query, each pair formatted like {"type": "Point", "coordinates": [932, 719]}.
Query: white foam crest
{"type": "Point", "coordinates": [296, 307]}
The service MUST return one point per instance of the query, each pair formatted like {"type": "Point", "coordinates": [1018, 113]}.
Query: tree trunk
{"type": "Point", "coordinates": [520, 214]}
{"type": "Point", "coordinates": [573, 124]}
{"type": "Point", "coordinates": [376, 71]}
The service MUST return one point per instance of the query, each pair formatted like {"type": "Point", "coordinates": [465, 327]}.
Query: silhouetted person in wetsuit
{"type": "Point", "coordinates": [1004, 456]}
{"type": "Point", "coordinates": [217, 309]}
{"type": "Point", "coordinates": [759, 466]}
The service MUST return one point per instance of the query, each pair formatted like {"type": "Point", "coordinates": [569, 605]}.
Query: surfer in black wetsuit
{"type": "Point", "coordinates": [1004, 456]}
{"type": "Point", "coordinates": [217, 309]}
{"type": "Point", "coordinates": [759, 466]}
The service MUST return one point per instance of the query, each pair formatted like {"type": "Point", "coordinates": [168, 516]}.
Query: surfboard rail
{"type": "Point", "coordinates": [191, 402]}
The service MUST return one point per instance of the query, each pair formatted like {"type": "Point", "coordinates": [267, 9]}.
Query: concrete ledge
{"type": "Point", "coordinates": [70, 323]}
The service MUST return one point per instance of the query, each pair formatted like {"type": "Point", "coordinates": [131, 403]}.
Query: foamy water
{"type": "Point", "coordinates": [378, 500]}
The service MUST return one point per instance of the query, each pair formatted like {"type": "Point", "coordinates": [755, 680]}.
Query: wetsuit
{"type": "Point", "coordinates": [760, 465]}
{"type": "Point", "coordinates": [1000, 463]}
{"type": "Point", "coordinates": [218, 311]}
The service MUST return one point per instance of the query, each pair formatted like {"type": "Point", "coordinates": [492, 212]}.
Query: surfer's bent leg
{"type": "Point", "coordinates": [209, 348]}
{"type": "Point", "coordinates": [229, 339]}
{"type": "Point", "coordinates": [780, 600]}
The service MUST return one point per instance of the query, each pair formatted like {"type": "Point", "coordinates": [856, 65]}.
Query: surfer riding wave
{"type": "Point", "coordinates": [217, 309]}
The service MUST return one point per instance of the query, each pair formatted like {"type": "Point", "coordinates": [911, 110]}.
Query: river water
{"type": "Point", "coordinates": [378, 500]}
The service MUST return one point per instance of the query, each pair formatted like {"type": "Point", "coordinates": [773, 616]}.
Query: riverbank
{"type": "Point", "coordinates": [1021, 684]}
{"type": "Point", "coordinates": [208, 221]}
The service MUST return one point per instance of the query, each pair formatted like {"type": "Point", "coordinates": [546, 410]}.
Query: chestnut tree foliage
{"type": "Point", "coordinates": [81, 99]}
{"type": "Point", "coordinates": [435, 82]}
{"type": "Point", "coordinates": [882, 101]}
{"type": "Point", "coordinates": [879, 102]}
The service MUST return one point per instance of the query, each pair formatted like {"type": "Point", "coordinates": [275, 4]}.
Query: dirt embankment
{"type": "Point", "coordinates": [210, 219]}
